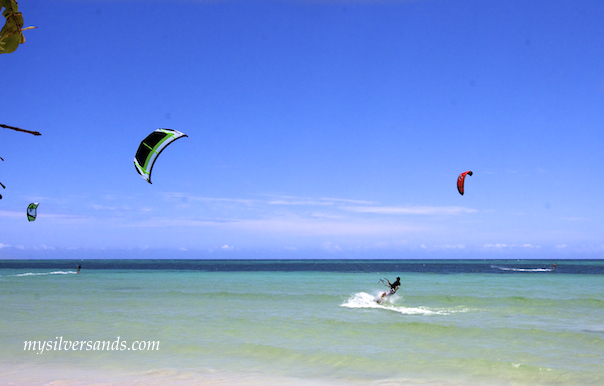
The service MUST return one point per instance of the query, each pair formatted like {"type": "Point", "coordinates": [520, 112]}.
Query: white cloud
{"type": "Point", "coordinates": [7, 213]}
{"type": "Point", "coordinates": [210, 199]}
{"type": "Point", "coordinates": [437, 247]}
{"type": "Point", "coordinates": [299, 202]}
{"type": "Point", "coordinates": [501, 246]}
{"type": "Point", "coordinates": [227, 248]}
{"type": "Point", "coordinates": [498, 246]}
{"type": "Point", "coordinates": [326, 215]}
{"type": "Point", "coordinates": [420, 210]}
{"type": "Point", "coordinates": [275, 200]}
{"type": "Point", "coordinates": [318, 227]}
{"type": "Point", "coordinates": [4, 245]}
{"type": "Point", "coordinates": [349, 201]}
{"type": "Point", "coordinates": [345, 204]}
{"type": "Point", "coordinates": [450, 246]}
{"type": "Point", "coordinates": [158, 222]}
{"type": "Point", "coordinates": [530, 246]}
{"type": "Point", "coordinates": [290, 224]}
{"type": "Point", "coordinates": [574, 218]}
{"type": "Point", "coordinates": [330, 247]}
{"type": "Point", "coordinates": [102, 207]}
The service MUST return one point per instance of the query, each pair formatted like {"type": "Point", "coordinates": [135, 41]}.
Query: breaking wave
{"type": "Point", "coordinates": [45, 273]}
{"type": "Point", "coordinates": [365, 300]}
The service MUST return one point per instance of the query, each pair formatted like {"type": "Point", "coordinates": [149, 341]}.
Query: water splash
{"type": "Point", "coordinates": [45, 273]}
{"type": "Point", "coordinates": [523, 269]}
{"type": "Point", "coordinates": [365, 300]}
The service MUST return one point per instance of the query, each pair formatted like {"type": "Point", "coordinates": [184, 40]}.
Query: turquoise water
{"type": "Point", "coordinates": [518, 324]}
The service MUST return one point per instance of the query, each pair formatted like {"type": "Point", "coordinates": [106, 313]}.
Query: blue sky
{"type": "Point", "coordinates": [315, 129]}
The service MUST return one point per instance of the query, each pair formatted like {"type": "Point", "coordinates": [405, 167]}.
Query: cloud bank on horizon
{"type": "Point", "coordinates": [281, 223]}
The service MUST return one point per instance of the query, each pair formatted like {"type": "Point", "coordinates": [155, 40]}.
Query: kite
{"type": "Point", "coordinates": [150, 148]}
{"type": "Point", "coordinates": [460, 181]}
{"type": "Point", "coordinates": [32, 211]}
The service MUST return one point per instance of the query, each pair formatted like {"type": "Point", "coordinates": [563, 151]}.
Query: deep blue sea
{"type": "Point", "coordinates": [302, 322]}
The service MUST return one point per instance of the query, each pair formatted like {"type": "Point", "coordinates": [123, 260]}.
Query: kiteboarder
{"type": "Point", "coordinates": [393, 288]}
{"type": "Point", "coordinates": [554, 266]}
{"type": "Point", "coordinates": [79, 267]}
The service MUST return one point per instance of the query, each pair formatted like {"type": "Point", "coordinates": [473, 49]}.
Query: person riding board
{"type": "Point", "coordinates": [393, 287]}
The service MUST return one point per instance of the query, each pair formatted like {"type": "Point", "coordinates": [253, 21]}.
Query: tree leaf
{"type": "Point", "coordinates": [11, 34]}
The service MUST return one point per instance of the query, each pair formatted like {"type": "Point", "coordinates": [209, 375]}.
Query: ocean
{"type": "Point", "coordinates": [301, 322]}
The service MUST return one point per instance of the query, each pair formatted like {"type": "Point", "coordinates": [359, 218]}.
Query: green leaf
{"type": "Point", "coordinates": [11, 34]}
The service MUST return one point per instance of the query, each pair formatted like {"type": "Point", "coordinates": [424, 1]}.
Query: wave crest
{"type": "Point", "coordinates": [365, 300]}
{"type": "Point", "coordinates": [45, 273]}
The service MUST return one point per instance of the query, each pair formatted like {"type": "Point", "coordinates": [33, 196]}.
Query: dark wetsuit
{"type": "Point", "coordinates": [394, 286]}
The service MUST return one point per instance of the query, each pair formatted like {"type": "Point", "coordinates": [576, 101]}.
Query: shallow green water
{"type": "Point", "coordinates": [463, 328]}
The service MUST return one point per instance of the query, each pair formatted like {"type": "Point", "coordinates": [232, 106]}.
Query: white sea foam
{"type": "Point", "coordinates": [45, 273]}
{"type": "Point", "coordinates": [365, 300]}
{"type": "Point", "coordinates": [523, 269]}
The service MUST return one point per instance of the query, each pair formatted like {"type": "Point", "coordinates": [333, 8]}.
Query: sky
{"type": "Point", "coordinates": [316, 129]}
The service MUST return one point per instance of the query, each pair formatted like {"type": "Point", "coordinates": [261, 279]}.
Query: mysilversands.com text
{"type": "Point", "coordinates": [89, 345]}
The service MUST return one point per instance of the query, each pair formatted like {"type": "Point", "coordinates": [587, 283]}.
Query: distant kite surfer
{"type": "Point", "coordinates": [79, 267]}
{"type": "Point", "coordinates": [393, 288]}
{"type": "Point", "coordinates": [554, 266]}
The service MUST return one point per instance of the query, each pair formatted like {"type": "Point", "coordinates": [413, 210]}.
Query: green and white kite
{"type": "Point", "coordinates": [32, 211]}
{"type": "Point", "coordinates": [150, 148]}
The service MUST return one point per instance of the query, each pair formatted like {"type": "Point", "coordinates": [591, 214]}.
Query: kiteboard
{"type": "Point", "coordinates": [380, 299]}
